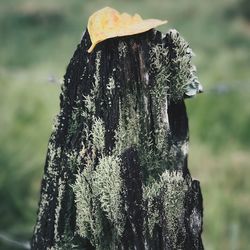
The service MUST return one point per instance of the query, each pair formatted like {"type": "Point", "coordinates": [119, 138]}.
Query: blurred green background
{"type": "Point", "coordinates": [37, 40]}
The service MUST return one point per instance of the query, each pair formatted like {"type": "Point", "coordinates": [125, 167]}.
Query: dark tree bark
{"type": "Point", "coordinates": [116, 174]}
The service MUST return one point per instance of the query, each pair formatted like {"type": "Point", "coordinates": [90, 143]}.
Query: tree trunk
{"type": "Point", "coordinates": [116, 174]}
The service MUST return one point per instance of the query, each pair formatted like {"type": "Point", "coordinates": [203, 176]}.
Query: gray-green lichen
{"type": "Point", "coordinates": [97, 76]}
{"type": "Point", "coordinates": [107, 186]}
{"type": "Point", "coordinates": [98, 193]}
{"type": "Point", "coordinates": [184, 79]}
{"type": "Point", "coordinates": [176, 75]}
{"type": "Point", "coordinates": [61, 189]}
{"type": "Point", "coordinates": [160, 67]}
{"type": "Point", "coordinates": [127, 133]}
{"type": "Point", "coordinates": [98, 133]}
{"type": "Point", "coordinates": [166, 195]}
{"type": "Point", "coordinates": [83, 199]}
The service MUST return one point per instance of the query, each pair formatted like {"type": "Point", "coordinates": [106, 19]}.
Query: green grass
{"type": "Point", "coordinates": [37, 40]}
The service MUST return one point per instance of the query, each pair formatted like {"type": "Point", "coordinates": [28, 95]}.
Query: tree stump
{"type": "Point", "coordinates": [116, 174]}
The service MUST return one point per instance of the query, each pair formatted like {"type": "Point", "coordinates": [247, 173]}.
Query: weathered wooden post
{"type": "Point", "coordinates": [116, 174]}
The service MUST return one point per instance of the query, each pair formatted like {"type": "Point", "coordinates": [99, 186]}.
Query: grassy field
{"type": "Point", "coordinates": [37, 40]}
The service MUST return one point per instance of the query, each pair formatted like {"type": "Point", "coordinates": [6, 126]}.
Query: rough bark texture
{"type": "Point", "coordinates": [116, 173]}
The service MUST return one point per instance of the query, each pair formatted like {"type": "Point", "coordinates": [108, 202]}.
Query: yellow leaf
{"type": "Point", "coordinates": [107, 23]}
